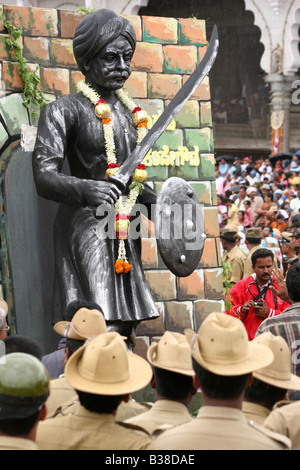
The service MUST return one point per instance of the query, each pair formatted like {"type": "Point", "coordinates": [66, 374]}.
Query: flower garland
{"type": "Point", "coordinates": [123, 206]}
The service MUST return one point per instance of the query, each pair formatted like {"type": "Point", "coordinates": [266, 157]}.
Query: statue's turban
{"type": "Point", "coordinates": [95, 31]}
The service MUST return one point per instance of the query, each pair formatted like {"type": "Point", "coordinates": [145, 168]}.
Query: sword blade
{"type": "Point", "coordinates": [123, 175]}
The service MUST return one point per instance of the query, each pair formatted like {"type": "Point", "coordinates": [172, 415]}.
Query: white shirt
{"type": "Point", "coordinates": [295, 204]}
{"type": "Point", "coordinates": [241, 206]}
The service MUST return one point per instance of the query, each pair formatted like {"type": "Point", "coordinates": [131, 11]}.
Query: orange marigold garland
{"type": "Point", "coordinates": [124, 205]}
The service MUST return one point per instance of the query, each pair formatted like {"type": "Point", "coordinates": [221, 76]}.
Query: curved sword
{"type": "Point", "coordinates": [123, 175]}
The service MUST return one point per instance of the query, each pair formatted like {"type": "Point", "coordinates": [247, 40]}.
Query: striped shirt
{"type": "Point", "coordinates": [287, 325]}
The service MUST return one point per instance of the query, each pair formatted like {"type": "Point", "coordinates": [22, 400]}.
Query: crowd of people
{"type": "Point", "coordinates": [259, 220]}
{"type": "Point", "coordinates": [261, 194]}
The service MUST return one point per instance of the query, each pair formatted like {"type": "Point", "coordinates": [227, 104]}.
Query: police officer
{"type": "Point", "coordinates": [24, 388]}
{"type": "Point", "coordinates": [172, 380]}
{"type": "Point", "coordinates": [223, 360]}
{"type": "Point", "coordinates": [271, 383]}
{"type": "Point", "coordinates": [253, 243]}
{"type": "Point", "coordinates": [288, 252]}
{"type": "Point", "coordinates": [103, 373]}
{"type": "Point", "coordinates": [84, 324]}
{"type": "Point", "coordinates": [232, 255]}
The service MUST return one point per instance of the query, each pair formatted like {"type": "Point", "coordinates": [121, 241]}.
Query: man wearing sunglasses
{"type": "Point", "coordinates": [254, 298]}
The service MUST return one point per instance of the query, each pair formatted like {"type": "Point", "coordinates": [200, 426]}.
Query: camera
{"type": "Point", "coordinates": [258, 303]}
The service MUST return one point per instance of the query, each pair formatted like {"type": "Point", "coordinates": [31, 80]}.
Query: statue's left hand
{"type": "Point", "coordinates": [96, 193]}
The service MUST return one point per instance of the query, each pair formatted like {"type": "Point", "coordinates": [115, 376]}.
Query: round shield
{"type": "Point", "coordinates": [179, 226]}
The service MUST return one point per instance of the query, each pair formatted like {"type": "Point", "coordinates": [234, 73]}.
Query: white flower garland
{"type": "Point", "coordinates": [123, 207]}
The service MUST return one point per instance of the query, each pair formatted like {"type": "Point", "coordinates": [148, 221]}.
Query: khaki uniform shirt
{"type": "Point", "coordinates": [85, 430]}
{"type": "Point", "coordinates": [63, 400]}
{"type": "Point", "coordinates": [62, 395]}
{"type": "Point", "coordinates": [255, 412]}
{"type": "Point", "coordinates": [248, 271]}
{"type": "Point", "coordinates": [220, 428]}
{"type": "Point", "coordinates": [235, 258]}
{"type": "Point", "coordinates": [130, 409]}
{"type": "Point", "coordinates": [16, 443]}
{"type": "Point", "coordinates": [162, 412]}
{"type": "Point", "coordinates": [285, 420]}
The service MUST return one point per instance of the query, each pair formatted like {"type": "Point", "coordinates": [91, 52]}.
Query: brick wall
{"type": "Point", "coordinates": [167, 52]}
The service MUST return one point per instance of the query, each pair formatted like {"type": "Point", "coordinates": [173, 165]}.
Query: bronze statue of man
{"type": "Point", "coordinates": [68, 128]}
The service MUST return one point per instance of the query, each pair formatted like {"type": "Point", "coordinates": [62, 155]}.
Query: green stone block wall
{"type": "Point", "coordinates": [167, 52]}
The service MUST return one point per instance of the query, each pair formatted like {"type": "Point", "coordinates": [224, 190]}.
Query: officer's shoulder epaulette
{"type": "Point", "coordinates": [160, 429]}
{"type": "Point", "coordinates": [133, 427]}
{"type": "Point", "coordinates": [281, 403]}
{"type": "Point", "coordinates": [147, 404]}
{"type": "Point", "coordinates": [285, 441]}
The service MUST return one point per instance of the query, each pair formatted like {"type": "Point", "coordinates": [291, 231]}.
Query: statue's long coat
{"type": "Point", "coordinates": [84, 263]}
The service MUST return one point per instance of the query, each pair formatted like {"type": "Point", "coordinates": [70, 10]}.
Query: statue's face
{"type": "Point", "coordinates": [110, 68]}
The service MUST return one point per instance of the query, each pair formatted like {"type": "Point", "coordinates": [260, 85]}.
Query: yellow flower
{"type": "Point", "coordinates": [140, 117]}
{"type": "Point", "coordinates": [139, 175]}
{"type": "Point", "coordinates": [102, 110]}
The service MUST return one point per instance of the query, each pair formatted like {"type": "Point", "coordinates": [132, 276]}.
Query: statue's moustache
{"type": "Point", "coordinates": [124, 75]}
